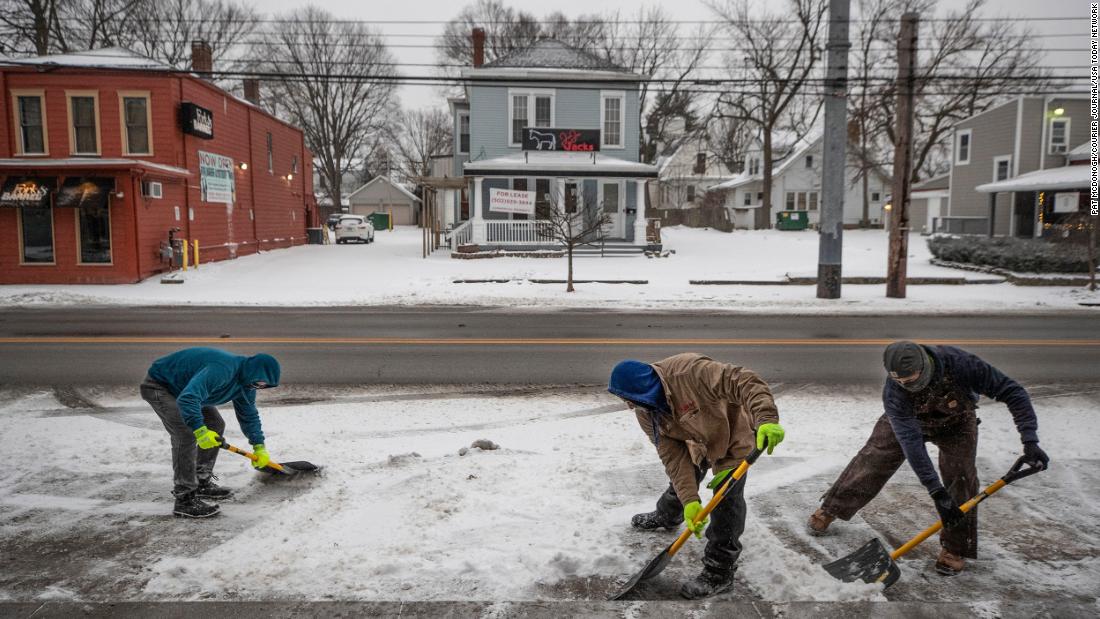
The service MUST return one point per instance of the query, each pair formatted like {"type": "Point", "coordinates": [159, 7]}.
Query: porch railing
{"type": "Point", "coordinates": [519, 233]}
{"type": "Point", "coordinates": [462, 235]}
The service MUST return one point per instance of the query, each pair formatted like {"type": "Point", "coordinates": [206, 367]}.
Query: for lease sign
{"type": "Point", "coordinates": [511, 201]}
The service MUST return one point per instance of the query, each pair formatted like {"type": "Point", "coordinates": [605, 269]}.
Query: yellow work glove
{"type": "Point", "coordinates": [770, 432]}
{"type": "Point", "coordinates": [207, 438]}
{"type": "Point", "coordinates": [262, 459]}
{"type": "Point", "coordinates": [691, 512]}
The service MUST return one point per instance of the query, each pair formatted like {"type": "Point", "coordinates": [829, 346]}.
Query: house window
{"type": "Point", "coordinates": [294, 164]}
{"type": "Point", "coordinates": [1059, 135]}
{"type": "Point", "coordinates": [1002, 167]}
{"type": "Point", "coordinates": [542, 198]}
{"type": "Point", "coordinates": [525, 106]}
{"type": "Point", "coordinates": [700, 163]}
{"type": "Point", "coordinates": [95, 234]}
{"type": "Point", "coordinates": [759, 197]}
{"type": "Point", "coordinates": [802, 200]}
{"type": "Point", "coordinates": [962, 147]}
{"type": "Point", "coordinates": [611, 104]}
{"type": "Point", "coordinates": [464, 133]}
{"type": "Point", "coordinates": [754, 166]}
{"type": "Point", "coordinates": [84, 124]}
{"type": "Point", "coordinates": [135, 124]}
{"type": "Point", "coordinates": [270, 154]}
{"type": "Point", "coordinates": [809, 161]}
{"type": "Point", "coordinates": [813, 200]}
{"type": "Point", "coordinates": [790, 200]}
{"type": "Point", "coordinates": [875, 196]}
{"type": "Point", "coordinates": [36, 235]}
{"type": "Point", "coordinates": [31, 124]}
{"type": "Point", "coordinates": [691, 193]}
{"type": "Point", "coordinates": [748, 198]}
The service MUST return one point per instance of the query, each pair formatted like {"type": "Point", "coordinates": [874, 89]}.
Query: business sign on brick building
{"type": "Point", "coordinates": [569, 140]}
{"type": "Point", "coordinates": [197, 121]}
{"type": "Point", "coordinates": [216, 179]}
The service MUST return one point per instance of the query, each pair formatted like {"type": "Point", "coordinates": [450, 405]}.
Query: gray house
{"type": "Point", "coordinates": [560, 126]}
{"type": "Point", "coordinates": [1022, 135]}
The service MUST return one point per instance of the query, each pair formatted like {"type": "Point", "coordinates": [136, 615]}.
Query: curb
{"type": "Point", "coordinates": [551, 281]}
{"type": "Point", "coordinates": [1056, 279]}
{"type": "Point", "coordinates": [856, 281]}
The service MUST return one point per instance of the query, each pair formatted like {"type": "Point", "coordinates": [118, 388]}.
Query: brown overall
{"type": "Point", "coordinates": [948, 420]}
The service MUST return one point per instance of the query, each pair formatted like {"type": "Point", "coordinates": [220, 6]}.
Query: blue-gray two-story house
{"type": "Point", "coordinates": [560, 125]}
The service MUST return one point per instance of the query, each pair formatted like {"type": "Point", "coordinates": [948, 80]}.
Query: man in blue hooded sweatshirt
{"type": "Point", "coordinates": [700, 414]}
{"type": "Point", "coordinates": [184, 389]}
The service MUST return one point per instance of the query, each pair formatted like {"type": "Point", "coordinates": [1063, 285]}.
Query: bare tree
{"type": "Point", "coordinates": [92, 24]}
{"type": "Point", "coordinates": [729, 139]}
{"type": "Point", "coordinates": [420, 135]}
{"type": "Point", "coordinates": [28, 26]}
{"type": "Point", "coordinates": [782, 51]}
{"type": "Point", "coordinates": [508, 30]}
{"type": "Point", "coordinates": [579, 222]}
{"type": "Point", "coordinates": [334, 80]}
{"type": "Point", "coordinates": [164, 30]}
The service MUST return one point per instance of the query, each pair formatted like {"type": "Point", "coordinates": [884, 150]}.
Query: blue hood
{"type": "Point", "coordinates": [639, 383]}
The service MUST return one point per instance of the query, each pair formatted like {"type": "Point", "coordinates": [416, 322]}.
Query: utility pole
{"type": "Point", "coordinates": [903, 158]}
{"type": "Point", "coordinates": [834, 145]}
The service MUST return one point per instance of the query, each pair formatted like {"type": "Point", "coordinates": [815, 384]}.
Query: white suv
{"type": "Point", "coordinates": [354, 228]}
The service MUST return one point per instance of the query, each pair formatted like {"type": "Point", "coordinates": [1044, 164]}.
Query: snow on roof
{"type": "Point", "coordinates": [1066, 177]}
{"type": "Point", "coordinates": [376, 179]}
{"type": "Point", "coordinates": [934, 183]}
{"type": "Point", "coordinates": [553, 54]}
{"type": "Point", "coordinates": [534, 161]}
{"type": "Point", "coordinates": [743, 178]}
{"type": "Point", "coordinates": [86, 163]}
{"type": "Point", "coordinates": [105, 58]}
{"type": "Point", "coordinates": [1081, 153]}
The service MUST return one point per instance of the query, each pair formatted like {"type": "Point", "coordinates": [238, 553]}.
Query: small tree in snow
{"type": "Point", "coordinates": [578, 222]}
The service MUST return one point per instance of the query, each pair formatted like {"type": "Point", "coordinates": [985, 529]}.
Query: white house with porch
{"type": "Point", "coordinates": [548, 126]}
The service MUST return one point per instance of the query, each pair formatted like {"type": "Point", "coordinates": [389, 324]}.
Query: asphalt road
{"type": "Point", "coordinates": [111, 345]}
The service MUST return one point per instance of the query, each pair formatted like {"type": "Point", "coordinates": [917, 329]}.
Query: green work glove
{"type": "Point", "coordinates": [207, 438]}
{"type": "Point", "coordinates": [262, 458]}
{"type": "Point", "coordinates": [718, 479]}
{"type": "Point", "coordinates": [691, 512]}
{"type": "Point", "coordinates": [772, 432]}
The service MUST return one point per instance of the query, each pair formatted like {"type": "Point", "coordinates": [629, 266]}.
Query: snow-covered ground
{"type": "Point", "coordinates": [392, 272]}
{"type": "Point", "coordinates": [398, 514]}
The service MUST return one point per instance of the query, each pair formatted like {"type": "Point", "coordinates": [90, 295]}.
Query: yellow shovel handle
{"type": "Point", "coordinates": [251, 456]}
{"type": "Point", "coordinates": [711, 504]}
{"type": "Point", "coordinates": [932, 530]}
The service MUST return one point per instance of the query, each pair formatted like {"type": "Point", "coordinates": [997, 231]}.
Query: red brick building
{"type": "Point", "coordinates": [103, 152]}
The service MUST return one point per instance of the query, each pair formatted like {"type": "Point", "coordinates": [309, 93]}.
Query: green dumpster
{"type": "Point", "coordinates": [381, 221]}
{"type": "Point", "coordinates": [792, 220]}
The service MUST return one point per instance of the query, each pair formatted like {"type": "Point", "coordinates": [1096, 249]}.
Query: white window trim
{"type": "Point", "coordinates": [94, 94]}
{"type": "Point", "coordinates": [969, 133]}
{"type": "Point", "coordinates": [1050, 135]}
{"type": "Point", "coordinates": [996, 160]}
{"type": "Point", "coordinates": [16, 93]}
{"type": "Point", "coordinates": [621, 96]}
{"type": "Point", "coordinates": [135, 94]}
{"type": "Point", "coordinates": [531, 93]}
{"type": "Point", "coordinates": [458, 138]}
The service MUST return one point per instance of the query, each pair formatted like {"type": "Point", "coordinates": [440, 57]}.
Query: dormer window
{"type": "Point", "coordinates": [525, 106]}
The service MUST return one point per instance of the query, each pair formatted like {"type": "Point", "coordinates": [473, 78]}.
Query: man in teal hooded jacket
{"type": "Point", "coordinates": [184, 388]}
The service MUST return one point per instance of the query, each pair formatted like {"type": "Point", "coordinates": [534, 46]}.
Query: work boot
{"type": "Point", "coordinates": [209, 490]}
{"type": "Point", "coordinates": [709, 582]}
{"type": "Point", "coordinates": [949, 564]}
{"type": "Point", "coordinates": [656, 520]}
{"type": "Point", "coordinates": [189, 506]}
{"type": "Point", "coordinates": [820, 521]}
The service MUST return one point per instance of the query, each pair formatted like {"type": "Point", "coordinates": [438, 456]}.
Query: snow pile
{"type": "Point", "coordinates": [392, 272]}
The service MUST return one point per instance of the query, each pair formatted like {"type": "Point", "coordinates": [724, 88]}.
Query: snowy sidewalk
{"type": "Point", "coordinates": [400, 516]}
{"type": "Point", "coordinates": [392, 272]}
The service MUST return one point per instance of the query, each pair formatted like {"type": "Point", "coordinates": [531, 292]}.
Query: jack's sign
{"type": "Point", "coordinates": [569, 140]}
{"type": "Point", "coordinates": [197, 121]}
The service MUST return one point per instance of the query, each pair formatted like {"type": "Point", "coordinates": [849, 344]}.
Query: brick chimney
{"type": "Point", "coordinates": [252, 90]}
{"type": "Point", "coordinates": [479, 47]}
{"type": "Point", "coordinates": [202, 57]}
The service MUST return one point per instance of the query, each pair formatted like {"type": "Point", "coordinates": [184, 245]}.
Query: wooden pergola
{"type": "Point", "coordinates": [429, 208]}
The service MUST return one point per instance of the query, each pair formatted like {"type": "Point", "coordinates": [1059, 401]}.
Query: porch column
{"type": "Point", "coordinates": [639, 214]}
{"type": "Point", "coordinates": [478, 231]}
{"type": "Point", "coordinates": [560, 182]}
{"type": "Point", "coordinates": [992, 213]}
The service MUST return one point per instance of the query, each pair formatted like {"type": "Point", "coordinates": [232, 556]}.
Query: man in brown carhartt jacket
{"type": "Point", "coordinates": [700, 414]}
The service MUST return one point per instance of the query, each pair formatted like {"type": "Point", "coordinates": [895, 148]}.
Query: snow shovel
{"type": "Point", "coordinates": [872, 563]}
{"type": "Point", "coordinates": [286, 468]}
{"type": "Point", "coordinates": [658, 564]}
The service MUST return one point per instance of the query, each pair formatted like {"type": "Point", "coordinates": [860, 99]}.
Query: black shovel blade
{"type": "Point", "coordinates": [871, 563]}
{"type": "Point", "coordinates": [656, 566]}
{"type": "Point", "coordinates": [291, 469]}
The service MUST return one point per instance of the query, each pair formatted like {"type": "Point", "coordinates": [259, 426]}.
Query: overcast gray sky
{"type": "Point", "coordinates": [1055, 34]}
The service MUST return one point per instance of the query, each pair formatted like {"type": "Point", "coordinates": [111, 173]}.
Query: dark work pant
{"type": "Point", "coordinates": [727, 523]}
{"type": "Point", "coordinates": [189, 463]}
{"type": "Point", "coordinates": [880, 458]}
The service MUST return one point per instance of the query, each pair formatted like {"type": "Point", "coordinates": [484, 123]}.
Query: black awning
{"type": "Point", "coordinates": [28, 191]}
{"type": "Point", "coordinates": [85, 192]}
